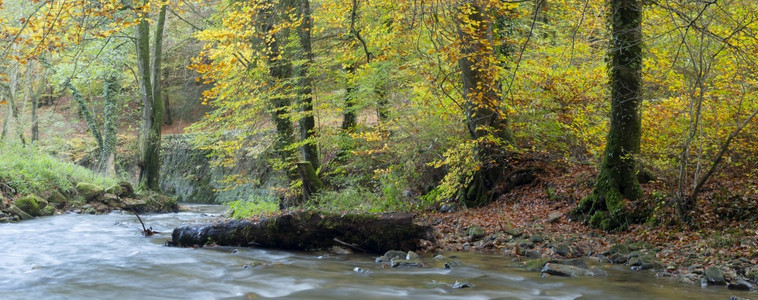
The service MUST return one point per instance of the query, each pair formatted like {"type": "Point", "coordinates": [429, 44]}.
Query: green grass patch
{"type": "Point", "coordinates": [241, 209]}
{"type": "Point", "coordinates": [28, 171]}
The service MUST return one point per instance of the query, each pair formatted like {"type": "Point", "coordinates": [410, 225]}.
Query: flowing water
{"type": "Point", "coordinates": [105, 257]}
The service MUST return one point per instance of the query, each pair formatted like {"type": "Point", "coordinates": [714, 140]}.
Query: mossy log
{"type": "Point", "coordinates": [375, 233]}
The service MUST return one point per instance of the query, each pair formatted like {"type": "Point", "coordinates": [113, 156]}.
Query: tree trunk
{"type": "Point", "coordinates": [35, 105]}
{"type": "Point", "coordinates": [310, 231]}
{"type": "Point", "coordinates": [311, 183]}
{"type": "Point", "coordinates": [280, 71]}
{"type": "Point", "coordinates": [309, 151]}
{"type": "Point", "coordinates": [152, 113]}
{"type": "Point", "coordinates": [349, 118]}
{"type": "Point", "coordinates": [88, 116]}
{"type": "Point", "coordinates": [111, 89]}
{"type": "Point", "coordinates": [167, 120]}
{"type": "Point", "coordinates": [605, 208]}
{"type": "Point", "coordinates": [481, 93]}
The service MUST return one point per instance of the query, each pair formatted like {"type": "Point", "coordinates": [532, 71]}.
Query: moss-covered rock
{"type": "Point", "coordinates": [114, 189]}
{"type": "Point", "coordinates": [48, 210]}
{"type": "Point", "coordinates": [536, 265]}
{"type": "Point", "coordinates": [57, 199]}
{"type": "Point", "coordinates": [127, 190]}
{"type": "Point", "coordinates": [152, 202]}
{"type": "Point", "coordinates": [30, 204]}
{"type": "Point", "coordinates": [20, 213]}
{"type": "Point", "coordinates": [89, 191]}
{"type": "Point", "coordinates": [475, 232]}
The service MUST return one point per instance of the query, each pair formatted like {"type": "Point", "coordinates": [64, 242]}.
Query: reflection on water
{"type": "Point", "coordinates": [105, 257]}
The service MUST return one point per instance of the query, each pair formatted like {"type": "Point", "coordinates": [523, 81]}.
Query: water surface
{"type": "Point", "coordinates": [106, 257]}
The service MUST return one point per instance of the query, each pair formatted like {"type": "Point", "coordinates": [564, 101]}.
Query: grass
{"type": "Point", "coordinates": [241, 209]}
{"type": "Point", "coordinates": [30, 171]}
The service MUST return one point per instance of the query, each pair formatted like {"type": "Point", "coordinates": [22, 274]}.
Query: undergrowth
{"type": "Point", "coordinates": [26, 170]}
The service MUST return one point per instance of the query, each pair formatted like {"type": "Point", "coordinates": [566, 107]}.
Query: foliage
{"type": "Point", "coordinates": [241, 209]}
{"type": "Point", "coordinates": [29, 171]}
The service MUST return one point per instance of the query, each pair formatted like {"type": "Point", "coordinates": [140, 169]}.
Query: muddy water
{"type": "Point", "coordinates": [105, 257]}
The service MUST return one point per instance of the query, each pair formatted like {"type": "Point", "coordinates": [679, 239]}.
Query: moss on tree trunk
{"type": "Point", "coordinates": [617, 182]}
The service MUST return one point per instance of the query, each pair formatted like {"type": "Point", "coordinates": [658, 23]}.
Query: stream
{"type": "Point", "coordinates": [106, 257]}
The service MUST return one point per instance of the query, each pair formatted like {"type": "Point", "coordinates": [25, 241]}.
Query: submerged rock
{"type": "Point", "coordinates": [461, 285]}
{"type": "Point", "coordinates": [569, 271]}
{"type": "Point", "coordinates": [406, 263]}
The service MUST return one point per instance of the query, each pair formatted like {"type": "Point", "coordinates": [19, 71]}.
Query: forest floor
{"type": "Point", "coordinates": [532, 221]}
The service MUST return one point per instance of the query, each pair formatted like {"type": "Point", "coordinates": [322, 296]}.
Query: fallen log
{"type": "Point", "coordinates": [310, 230]}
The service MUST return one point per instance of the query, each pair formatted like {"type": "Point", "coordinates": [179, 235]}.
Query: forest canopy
{"type": "Point", "coordinates": [400, 105]}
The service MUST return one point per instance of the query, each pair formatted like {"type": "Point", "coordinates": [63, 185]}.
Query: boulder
{"type": "Point", "coordinates": [394, 254]}
{"type": "Point", "coordinates": [30, 204]}
{"type": "Point", "coordinates": [714, 276]}
{"type": "Point", "coordinates": [563, 250]}
{"type": "Point", "coordinates": [48, 210]}
{"type": "Point", "coordinates": [475, 232]}
{"type": "Point", "coordinates": [20, 213]}
{"type": "Point", "coordinates": [89, 191]}
{"type": "Point", "coordinates": [115, 189]}
{"type": "Point", "coordinates": [57, 199]}
{"type": "Point", "coordinates": [618, 248]}
{"type": "Point", "coordinates": [536, 265]}
{"type": "Point", "coordinates": [126, 190]}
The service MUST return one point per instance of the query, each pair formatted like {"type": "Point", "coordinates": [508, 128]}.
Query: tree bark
{"type": "Point", "coordinates": [310, 231]}
{"type": "Point", "coordinates": [605, 208]}
{"type": "Point", "coordinates": [309, 151]}
{"type": "Point", "coordinates": [482, 99]}
{"type": "Point", "coordinates": [152, 114]}
{"type": "Point", "coordinates": [349, 119]}
{"type": "Point", "coordinates": [111, 89]}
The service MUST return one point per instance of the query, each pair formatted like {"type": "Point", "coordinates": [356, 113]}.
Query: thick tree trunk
{"type": "Point", "coordinates": [617, 182]}
{"type": "Point", "coordinates": [311, 183]}
{"type": "Point", "coordinates": [309, 151]}
{"type": "Point", "coordinates": [309, 231]}
{"type": "Point", "coordinates": [152, 109]}
{"type": "Point", "coordinates": [482, 101]}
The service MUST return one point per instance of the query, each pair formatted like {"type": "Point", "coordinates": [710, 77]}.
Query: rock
{"type": "Point", "coordinates": [563, 250]}
{"type": "Point", "coordinates": [57, 199]}
{"type": "Point", "coordinates": [554, 217]}
{"type": "Point", "coordinates": [532, 254]}
{"type": "Point", "coordinates": [565, 270]}
{"type": "Point", "coordinates": [447, 208]}
{"type": "Point", "coordinates": [48, 210]}
{"type": "Point", "coordinates": [513, 232]}
{"type": "Point", "coordinates": [737, 298]}
{"type": "Point", "coordinates": [618, 258]}
{"type": "Point", "coordinates": [115, 189]}
{"type": "Point", "coordinates": [412, 256]}
{"type": "Point", "coordinates": [382, 259]}
{"type": "Point", "coordinates": [475, 232]}
{"type": "Point", "coordinates": [714, 276]}
{"type": "Point", "coordinates": [405, 263]}
{"type": "Point", "coordinates": [536, 265]}
{"type": "Point", "coordinates": [461, 285]}
{"type": "Point", "coordinates": [394, 254]}
{"type": "Point", "coordinates": [438, 257]}
{"type": "Point", "coordinates": [20, 213]}
{"type": "Point", "coordinates": [696, 269]}
{"type": "Point", "coordinates": [536, 238]}
{"type": "Point", "coordinates": [740, 285]}
{"type": "Point", "coordinates": [30, 204]}
{"type": "Point", "coordinates": [618, 248]}
{"type": "Point", "coordinates": [578, 262]}
{"type": "Point", "coordinates": [340, 250]}
{"type": "Point", "coordinates": [127, 191]}
{"type": "Point", "coordinates": [89, 191]}
{"type": "Point", "coordinates": [689, 278]}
